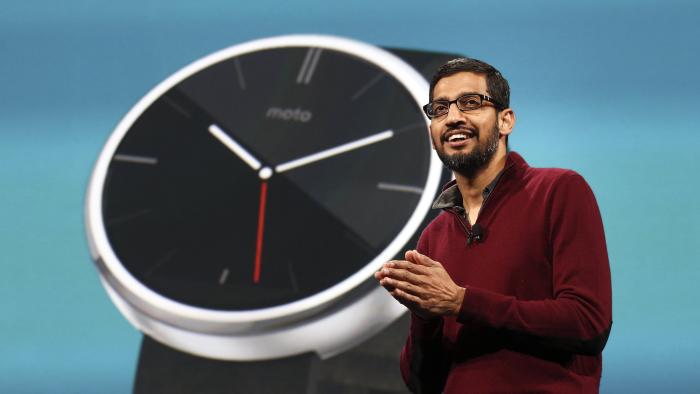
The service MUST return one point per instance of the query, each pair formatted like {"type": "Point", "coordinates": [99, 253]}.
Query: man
{"type": "Point", "coordinates": [509, 288]}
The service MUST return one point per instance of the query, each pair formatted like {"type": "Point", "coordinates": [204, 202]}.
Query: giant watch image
{"type": "Point", "coordinates": [240, 208]}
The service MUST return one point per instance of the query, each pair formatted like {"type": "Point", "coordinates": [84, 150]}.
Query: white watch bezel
{"type": "Point", "coordinates": [166, 319]}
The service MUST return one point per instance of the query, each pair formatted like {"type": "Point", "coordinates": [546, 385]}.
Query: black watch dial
{"type": "Point", "coordinates": [265, 178]}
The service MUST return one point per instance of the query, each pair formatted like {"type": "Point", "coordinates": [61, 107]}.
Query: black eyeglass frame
{"type": "Point", "coordinates": [482, 98]}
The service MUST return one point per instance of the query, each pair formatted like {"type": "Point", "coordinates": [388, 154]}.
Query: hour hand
{"type": "Point", "coordinates": [234, 147]}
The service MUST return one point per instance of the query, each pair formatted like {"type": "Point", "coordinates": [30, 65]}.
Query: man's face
{"type": "Point", "coordinates": [464, 141]}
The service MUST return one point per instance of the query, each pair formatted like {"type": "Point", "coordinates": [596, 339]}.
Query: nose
{"type": "Point", "coordinates": [454, 115]}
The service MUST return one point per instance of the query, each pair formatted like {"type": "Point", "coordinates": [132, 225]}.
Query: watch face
{"type": "Point", "coordinates": [265, 178]}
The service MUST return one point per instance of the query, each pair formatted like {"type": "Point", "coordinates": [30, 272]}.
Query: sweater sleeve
{"type": "Point", "coordinates": [578, 317]}
{"type": "Point", "coordinates": [424, 365]}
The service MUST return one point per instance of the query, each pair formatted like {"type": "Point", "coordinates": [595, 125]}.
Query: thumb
{"type": "Point", "coordinates": [418, 258]}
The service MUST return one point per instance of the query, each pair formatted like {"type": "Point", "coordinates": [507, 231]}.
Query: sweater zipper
{"type": "Point", "coordinates": [466, 226]}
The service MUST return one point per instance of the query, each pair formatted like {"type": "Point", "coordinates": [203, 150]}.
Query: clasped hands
{"type": "Point", "coordinates": [422, 285]}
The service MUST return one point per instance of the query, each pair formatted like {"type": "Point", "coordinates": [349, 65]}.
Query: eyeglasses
{"type": "Point", "coordinates": [467, 102]}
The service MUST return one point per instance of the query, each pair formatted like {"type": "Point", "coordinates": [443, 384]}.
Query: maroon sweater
{"type": "Point", "coordinates": [537, 309]}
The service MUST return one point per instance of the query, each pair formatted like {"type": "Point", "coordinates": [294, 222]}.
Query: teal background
{"type": "Point", "coordinates": [608, 88]}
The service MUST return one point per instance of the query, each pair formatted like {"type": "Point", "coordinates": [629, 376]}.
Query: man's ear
{"type": "Point", "coordinates": [506, 121]}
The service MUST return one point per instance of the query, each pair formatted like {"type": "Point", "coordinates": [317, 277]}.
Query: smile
{"type": "Point", "coordinates": [457, 136]}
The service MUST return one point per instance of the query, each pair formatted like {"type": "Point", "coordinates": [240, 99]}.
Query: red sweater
{"type": "Point", "coordinates": [537, 309]}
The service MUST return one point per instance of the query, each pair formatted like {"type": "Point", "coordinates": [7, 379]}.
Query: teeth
{"type": "Point", "coordinates": [454, 137]}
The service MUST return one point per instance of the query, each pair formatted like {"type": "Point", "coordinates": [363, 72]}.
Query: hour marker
{"type": "Point", "coordinates": [177, 107]}
{"type": "Point", "coordinates": [224, 275]}
{"type": "Point", "coordinates": [394, 187]}
{"type": "Point", "coordinates": [167, 257]}
{"type": "Point", "coordinates": [307, 58]}
{"type": "Point", "coordinates": [308, 66]}
{"type": "Point", "coordinates": [136, 159]}
{"type": "Point", "coordinates": [239, 73]}
{"type": "Point", "coordinates": [127, 217]}
{"type": "Point", "coordinates": [367, 86]}
{"type": "Point", "coordinates": [292, 277]}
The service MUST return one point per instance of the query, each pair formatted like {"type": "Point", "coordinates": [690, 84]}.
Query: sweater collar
{"type": "Point", "coordinates": [451, 197]}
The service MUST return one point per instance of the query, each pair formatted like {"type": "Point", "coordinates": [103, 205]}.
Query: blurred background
{"type": "Point", "coordinates": [608, 88]}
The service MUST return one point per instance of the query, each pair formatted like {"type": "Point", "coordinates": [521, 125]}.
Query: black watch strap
{"type": "Point", "coordinates": [426, 63]}
{"type": "Point", "coordinates": [162, 369]}
{"type": "Point", "coordinates": [371, 367]}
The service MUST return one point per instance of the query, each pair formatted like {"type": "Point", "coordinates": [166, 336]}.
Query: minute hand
{"type": "Point", "coordinates": [324, 154]}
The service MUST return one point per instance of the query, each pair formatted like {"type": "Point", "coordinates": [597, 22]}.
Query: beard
{"type": "Point", "coordinates": [470, 164]}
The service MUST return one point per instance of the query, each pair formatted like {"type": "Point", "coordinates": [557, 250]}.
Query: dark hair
{"type": "Point", "coordinates": [495, 83]}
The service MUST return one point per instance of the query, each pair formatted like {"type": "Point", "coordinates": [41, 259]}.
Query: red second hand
{"type": "Point", "coordinates": [261, 225]}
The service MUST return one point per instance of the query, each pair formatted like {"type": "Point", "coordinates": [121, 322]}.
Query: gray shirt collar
{"type": "Point", "coordinates": [450, 198]}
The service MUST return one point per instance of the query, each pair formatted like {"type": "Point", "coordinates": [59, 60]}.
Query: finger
{"type": "Point", "coordinates": [414, 256]}
{"type": "Point", "coordinates": [424, 260]}
{"type": "Point", "coordinates": [409, 266]}
{"type": "Point", "coordinates": [403, 275]}
{"type": "Point", "coordinates": [395, 263]}
{"type": "Point", "coordinates": [382, 271]}
{"type": "Point", "coordinates": [410, 255]}
{"type": "Point", "coordinates": [406, 298]}
{"type": "Point", "coordinates": [406, 287]}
